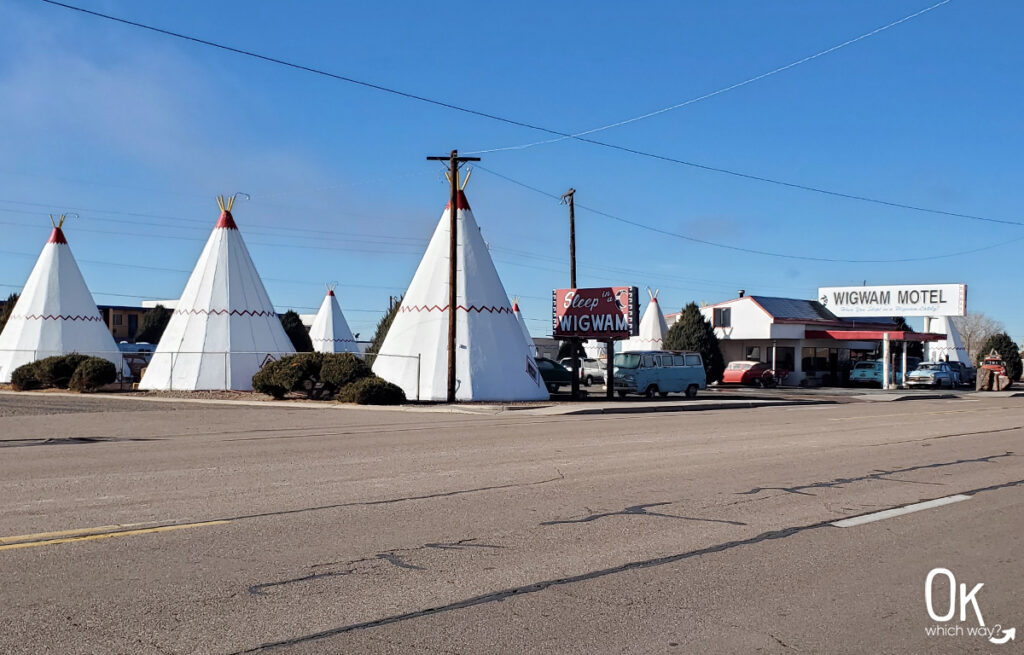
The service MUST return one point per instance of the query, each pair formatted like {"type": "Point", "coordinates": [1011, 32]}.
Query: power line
{"type": "Point", "coordinates": [539, 128]}
{"type": "Point", "coordinates": [722, 90]}
{"type": "Point", "coordinates": [751, 251]}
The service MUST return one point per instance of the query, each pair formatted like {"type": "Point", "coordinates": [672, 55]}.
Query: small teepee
{"type": "Point", "coordinates": [522, 325]}
{"type": "Point", "coordinates": [493, 358]}
{"type": "Point", "coordinates": [224, 327]}
{"type": "Point", "coordinates": [330, 332]}
{"type": "Point", "coordinates": [652, 327]}
{"type": "Point", "coordinates": [55, 314]}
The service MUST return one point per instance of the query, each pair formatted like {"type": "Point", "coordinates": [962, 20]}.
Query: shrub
{"type": "Point", "coordinates": [56, 371]}
{"type": "Point", "coordinates": [299, 372]}
{"type": "Point", "coordinates": [371, 391]}
{"type": "Point", "coordinates": [266, 381]}
{"type": "Point", "coordinates": [342, 369]}
{"type": "Point", "coordinates": [93, 373]}
{"type": "Point", "coordinates": [25, 378]}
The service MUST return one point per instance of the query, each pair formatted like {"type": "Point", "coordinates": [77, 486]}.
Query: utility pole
{"type": "Point", "coordinates": [454, 161]}
{"type": "Point", "coordinates": [567, 199]}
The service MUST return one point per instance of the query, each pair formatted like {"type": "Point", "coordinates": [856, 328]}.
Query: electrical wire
{"type": "Point", "coordinates": [539, 128]}
{"type": "Point", "coordinates": [751, 251]}
{"type": "Point", "coordinates": [719, 92]}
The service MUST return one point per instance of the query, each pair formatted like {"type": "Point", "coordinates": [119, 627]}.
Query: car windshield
{"type": "Point", "coordinates": [866, 365]}
{"type": "Point", "coordinates": [929, 367]}
{"type": "Point", "coordinates": [627, 360]}
{"type": "Point", "coordinates": [740, 366]}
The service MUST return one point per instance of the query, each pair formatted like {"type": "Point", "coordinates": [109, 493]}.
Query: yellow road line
{"type": "Point", "coordinates": [109, 535]}
{"type": "Point", "coordinates": [39, 536]}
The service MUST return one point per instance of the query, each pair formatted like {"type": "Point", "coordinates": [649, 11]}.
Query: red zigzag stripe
{"type": "Point", "coordinates": [57, 317]}
{"type": "Point", "coordinates": [337, 340]}
{"type": "Point", "coordinates": [221, 312]}
{"type": "Point", "coordinates": [471, 308]}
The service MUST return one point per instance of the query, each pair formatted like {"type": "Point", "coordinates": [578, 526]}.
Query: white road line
{"type": "Point", "coordinates": [899, 511]}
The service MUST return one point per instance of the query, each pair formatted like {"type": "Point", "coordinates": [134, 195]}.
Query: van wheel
{"type": "Point", "coordinates": [691, 391]}
{"type": "Point", "coordinates": [651, 390]}
{"type": "Point", "coordinates": [589, 380]}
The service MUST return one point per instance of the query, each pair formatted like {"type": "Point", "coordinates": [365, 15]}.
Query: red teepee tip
{"type": "Point", "coordinates": [654, 300]}
{"type": "Point", "coordinates": [57, 236]}
{"type": "Point", "coordinates": [461, 200]}
{"type": "Point", "coordinates": [226, 220]}
{"type": "Point", "coordinates": [515, 307]}
{"type": "Point", "coordinates": [330, 292]}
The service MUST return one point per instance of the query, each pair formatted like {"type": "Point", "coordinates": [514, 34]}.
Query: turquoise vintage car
{"type": "Point", "coordinates": [870, 372]}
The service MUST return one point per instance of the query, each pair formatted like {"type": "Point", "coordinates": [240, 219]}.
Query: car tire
{"type": "Point", "coordinates": [691, 391]}
{"type": "Point", "coordinates": [552, 388]}
{"type": "Point", "coordinates": [589, 380]}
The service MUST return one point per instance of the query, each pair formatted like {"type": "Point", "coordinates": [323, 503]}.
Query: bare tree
{"type": "Point", "coordinates": [975, 329]}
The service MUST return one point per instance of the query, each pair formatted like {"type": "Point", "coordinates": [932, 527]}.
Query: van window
{"type": "Point", "coordinates": [693, 360]}
{"type": "Point", "coordinates": [648, 361]}
{"type": "Point", "coordinates": [678, 360]}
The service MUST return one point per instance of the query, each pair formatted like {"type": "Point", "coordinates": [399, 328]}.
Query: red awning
{"type": "Point", "coordinates": [872, 335]}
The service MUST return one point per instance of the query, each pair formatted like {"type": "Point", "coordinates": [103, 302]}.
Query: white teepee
{"type": "Point", "coordinates": [952, 347]}
{"type": "Point", "coordinates": [224, 327]}
{"type": "Point", "coordinates": [55, 314]}
{"type": "Point", "coordinates": [493, 360]}
{"type": "Point", "coordinates": [330, 332]}
{"type": "Point", "coordinates": [522, 325]}
{"type": "Point", "coordinates": [652, 328]}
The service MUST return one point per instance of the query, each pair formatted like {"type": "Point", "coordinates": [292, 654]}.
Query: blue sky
{"type": "Point", "coordinates": [138, 133]}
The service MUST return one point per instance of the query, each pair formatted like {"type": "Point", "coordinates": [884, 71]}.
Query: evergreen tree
{"type": "Point", "coordinates": [383, 325]}
{"type": "Point", "coordinates": [296, 332]}
{"type": "Point", "coordinates": [153, 324]}
{"type": "Point", "coordinates": [8, 309]}
{"type": "Point", "coordinates": [694, 333]}
{"type": "Point", "coordinates": [1007, 349]}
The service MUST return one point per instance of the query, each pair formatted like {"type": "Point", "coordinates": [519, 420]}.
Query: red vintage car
{"type": "Point", "coordinates": [757, 373]}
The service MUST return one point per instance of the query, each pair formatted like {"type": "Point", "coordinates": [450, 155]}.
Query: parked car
{"type": "Point", "coordinates": [660, 372]}
{"type": "Point", "coordinates": [750, 372]}
{"type": "Point", "coordinates": [932, 374]}
{"type": "Point", "coordinates": [965, 373]}
{"type": "Point", "coordinates": [591, 370]}
{"type": "Point", "coordinates": [869, 372]}
{"type": "Point", "coordinates": [554, 374]}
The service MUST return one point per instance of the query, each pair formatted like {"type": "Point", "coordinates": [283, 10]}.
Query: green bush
{"type": "Point", "coordinates": [299, 372]}
{"type": "Point", "coordinates": [371, 391]}
{"type": "Point", "coordinates": [56, 371]}
{"type": "Point", "coordinates": [93, 373]}
{"type": "Point", "coordinates": [342, 369]}
{"type": "Point", "coordinates": [25, 378]}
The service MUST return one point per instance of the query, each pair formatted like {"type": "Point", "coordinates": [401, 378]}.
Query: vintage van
{"type": "Point", "coordinates": [661, 372]}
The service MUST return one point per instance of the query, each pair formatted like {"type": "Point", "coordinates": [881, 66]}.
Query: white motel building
{"type": "Point", "coordinates": [800, 336]}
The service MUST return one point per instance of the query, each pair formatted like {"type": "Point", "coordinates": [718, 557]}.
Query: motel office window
{"type": "Point", "coordinates": [723, 317]}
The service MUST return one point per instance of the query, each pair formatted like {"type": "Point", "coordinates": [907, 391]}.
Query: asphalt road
{"type": "Point", "coordinates": [129, 526]}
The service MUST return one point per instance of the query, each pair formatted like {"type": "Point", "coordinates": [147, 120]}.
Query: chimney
{"type": "Point", "coordinates": [742, 292]}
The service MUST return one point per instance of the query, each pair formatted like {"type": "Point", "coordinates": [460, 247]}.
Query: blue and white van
{"type": "Point", "coordinates": [661, 372]}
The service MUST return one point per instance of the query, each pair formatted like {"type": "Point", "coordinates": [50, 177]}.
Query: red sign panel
{"type": "Point", "coordinates": [599, 313]}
